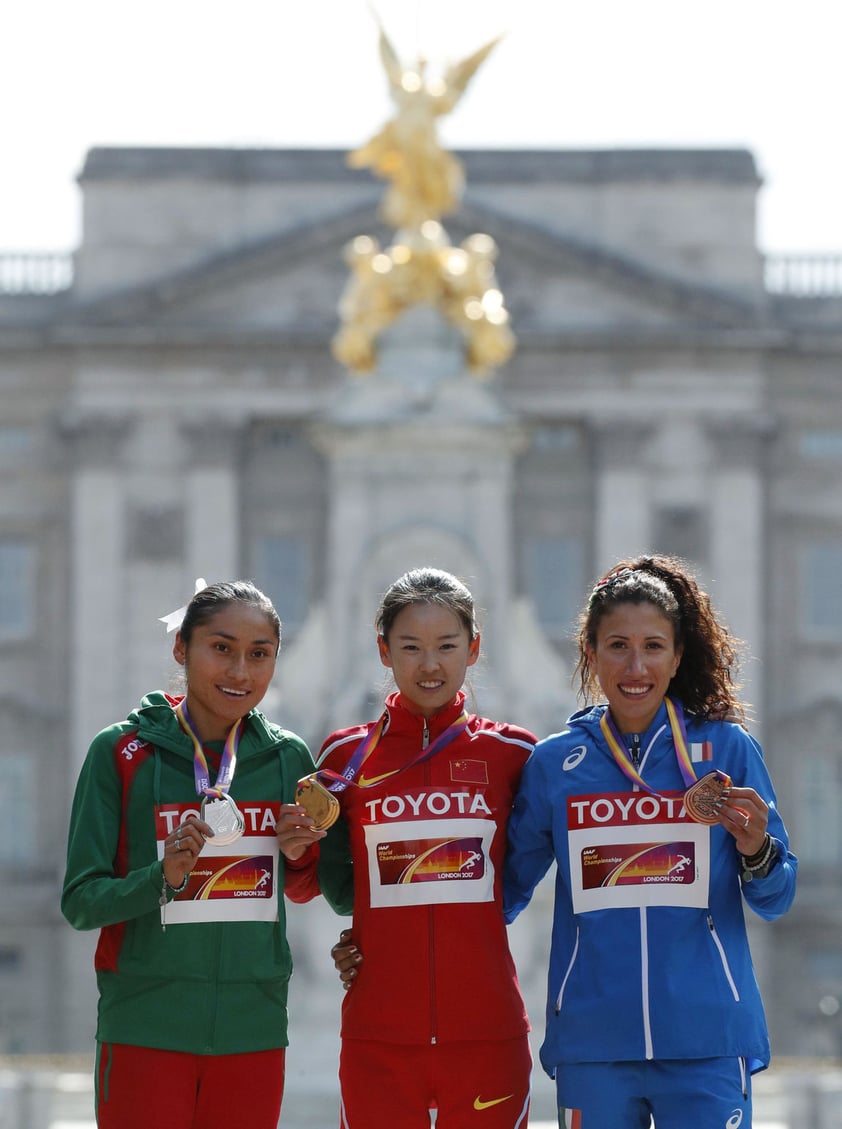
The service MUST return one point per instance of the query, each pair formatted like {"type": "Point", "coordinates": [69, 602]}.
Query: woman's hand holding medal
{"type": "Point", "coordinates": [714, 799]}
{"type": "Point", "coordinates": [745, 814]}
{"type": "Point", "coordinates": [181, 849]}
{"type": "Point", "coordinates": [296, 831]}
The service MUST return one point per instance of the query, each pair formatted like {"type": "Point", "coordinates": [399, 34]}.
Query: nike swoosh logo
{"type": "Point", "coordinates": [480, 1104]}
{"type": "Point", "coordinates": [365, 781]}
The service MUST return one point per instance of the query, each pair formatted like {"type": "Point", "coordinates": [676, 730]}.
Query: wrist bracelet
{"type": "Point", "coordinates": [757, 858]}
{"type": "Point", "coordinates": [162, 901]}
{"type": "Point", "coordinates": [761, 862]}
{"type": "Point", "coordinates": [179, 889]}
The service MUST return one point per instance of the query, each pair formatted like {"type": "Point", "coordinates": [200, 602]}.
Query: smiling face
{"type": "Point", "coordinates": [229, 661]}
{"type": "Point", "coordinates": [635, 659]}
{"type": "Point", "coordinates": [428, 650]}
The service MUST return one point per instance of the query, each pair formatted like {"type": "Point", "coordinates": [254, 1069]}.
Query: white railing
{"type": "Point", "coordinates": [35, 272]}
{"type": "Point", "coordinates": [804, 276]}
{"type": "Point", "coordinates": [794, 276]}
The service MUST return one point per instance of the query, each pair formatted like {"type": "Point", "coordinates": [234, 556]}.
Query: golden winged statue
{"type": "Point", "coordinates": [426, 181]}
{"type": "Point", "coordinates": [421, 266]}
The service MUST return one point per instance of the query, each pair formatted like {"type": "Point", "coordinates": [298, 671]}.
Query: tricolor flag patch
{"type": "Point", "coordinates": [703, 751]}
{"type": "Point", "coordinates": [570, 1118]}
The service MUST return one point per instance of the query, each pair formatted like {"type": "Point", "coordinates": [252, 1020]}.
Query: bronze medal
{"type": "Point", "coordinates": [701, 798]}
{"type": "Point", "coordinates": [321, 806]}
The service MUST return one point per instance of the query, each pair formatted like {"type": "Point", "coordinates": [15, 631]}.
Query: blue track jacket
{"type": "Point", "coordinates": [649, 957]}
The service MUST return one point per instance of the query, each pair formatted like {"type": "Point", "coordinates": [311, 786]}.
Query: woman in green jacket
{"type": "Point", "coordinates": [173, 854]}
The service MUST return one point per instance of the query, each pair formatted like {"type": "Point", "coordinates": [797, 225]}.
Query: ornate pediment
{"type": "Point", "coordinates": [290, 284]}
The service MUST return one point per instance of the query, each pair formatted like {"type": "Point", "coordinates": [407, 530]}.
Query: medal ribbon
{"type": "Point", "coordinates": [614, 740]}
{"type": "Point", "coordinates": [368, 744]}
{"type": "Point", "coordinates": [228, 760]}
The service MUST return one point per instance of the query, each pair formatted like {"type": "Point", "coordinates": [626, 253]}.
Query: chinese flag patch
{"type": "Point", "coordinates": [465, 771]}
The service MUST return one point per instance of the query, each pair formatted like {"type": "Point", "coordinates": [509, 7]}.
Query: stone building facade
{"type": "Point", "coordinates": [171, 409]}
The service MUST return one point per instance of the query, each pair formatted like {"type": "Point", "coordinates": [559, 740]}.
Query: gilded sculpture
{"type": "Point", "coordinates": [421, 266]}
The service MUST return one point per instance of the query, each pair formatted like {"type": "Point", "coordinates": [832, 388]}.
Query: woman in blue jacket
{"type": "Point", "coordinates": [661, 818]}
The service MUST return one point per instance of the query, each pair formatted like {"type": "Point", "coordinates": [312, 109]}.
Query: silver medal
{"type": "Point", "coordinates": [224, 818]}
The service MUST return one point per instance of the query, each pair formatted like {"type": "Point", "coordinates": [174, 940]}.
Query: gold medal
{"type": "Point", "coordinates": [321, 806]}
{"type": "Point", "coordinates": [701, 799]}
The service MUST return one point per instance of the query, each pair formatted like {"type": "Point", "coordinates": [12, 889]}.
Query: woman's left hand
{"type": "Point", "coordinates": [295, 831]}
{"type": "Point", "coordinates": [346, 957]}
{"type": "Point", "coordinates": [746, 815]}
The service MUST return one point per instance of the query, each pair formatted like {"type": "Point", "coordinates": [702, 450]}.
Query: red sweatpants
{"type": "Point", "coordinates": [480, 1085]}
{"type": "Point", "coordinates": [141, 1087]}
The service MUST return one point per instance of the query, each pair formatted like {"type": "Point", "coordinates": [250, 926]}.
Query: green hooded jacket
{"type": "Point", "coordinates": [227, 979]}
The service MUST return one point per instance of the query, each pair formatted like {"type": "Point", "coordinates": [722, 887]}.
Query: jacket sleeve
{"type": "Point", "coordinates": [336, 868]}
{"type": "Point", "coordinates": [769, 897]}
{"type": "Point", "coordinates": [301, 878]}
{"type": "Point", "coordinates": [94, 895]}
{"type": "Point", "coordinates": [529, 853]}
{"type": "Point", "coordinates": [325, 868]}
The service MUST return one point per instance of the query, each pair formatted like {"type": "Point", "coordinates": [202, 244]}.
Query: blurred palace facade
{"type": "Point", "coordinates": [171, 409]}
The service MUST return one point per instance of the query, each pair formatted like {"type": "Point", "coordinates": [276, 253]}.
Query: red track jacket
{"type": "Point", "coordinates": [427, 845]}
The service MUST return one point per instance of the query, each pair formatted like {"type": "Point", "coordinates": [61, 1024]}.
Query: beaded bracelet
{"type": "Point", "coordinates": [162, 901]}
{"type": "Point", "coordinates": [761, 862]}
{"type": "Point", "coordinates": [179, 889]}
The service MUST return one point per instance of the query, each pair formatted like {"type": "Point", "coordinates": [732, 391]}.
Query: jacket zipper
{"type": "Point", "coordinates": [431, 928]}
{"type": "Point", "coordinates": [649, 1051]}
{"type": "Point", "coordinates": [725, 967]}
{"type": "Point", "coordinates": [634, 749]}
{"type": "Point", "coordinates": [571, 962]}
{"type": "Point", "coordinates": [644, 985]}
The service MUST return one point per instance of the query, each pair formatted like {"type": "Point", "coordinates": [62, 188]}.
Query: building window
{"type": "Point", "coordinates": [553, 573]}
{"type": "Point", "coordinates": [680, 532]}
{"type": "Point", "coordinates": [11, 959]}
{"type": "Point", "coordinates": [820, 445]}
{"type": "Point", "coordinates": [564, 438]}
{"type": "Point", "coordinates": [821, 590]}
{"type": "Point", "coordinates": [282, 571]}
{"type": "Point", "coordinates": [17, 588]}
{"type": "Point", "coordinates": [16, 441]}
{"type": "Point", "coordinates": [819, 829]}
{"type": "Point", "coordinates": [17, 827]}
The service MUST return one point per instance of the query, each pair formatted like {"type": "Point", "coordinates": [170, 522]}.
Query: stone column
{"type": "Point", "coordinates": [97, 606]}
{"type": "Point", "coordinates": [211, 498]}
{"type": "Point", "coordinates": [738, 549]}
{"type": "Point", "coordinates": [97, 595]}
{"type": "Point", "coordinates": [623, 523]}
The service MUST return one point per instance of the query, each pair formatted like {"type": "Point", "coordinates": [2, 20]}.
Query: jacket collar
{"type": "Point", "coordinates": [403, 721]}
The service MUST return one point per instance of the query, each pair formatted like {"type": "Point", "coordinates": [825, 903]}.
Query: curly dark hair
{"type": "Point", "coordinates": [705, 680]}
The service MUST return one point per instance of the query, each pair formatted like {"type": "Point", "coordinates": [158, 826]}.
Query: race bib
{"type": "Point", "coordinates": [430, 862]}
{"type": "Point", "coordinates": [237, 882]}
{"type": "Point", "coordinates": [630, 849]}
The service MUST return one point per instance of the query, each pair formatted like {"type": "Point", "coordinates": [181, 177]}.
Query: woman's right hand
{"type": "Point", "coordinates": [182, 848]}
{"type": "Point", "coordinates": [346, 958]}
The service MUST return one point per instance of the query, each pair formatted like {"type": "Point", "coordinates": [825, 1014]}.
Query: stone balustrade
{"type": "Point", "coordinates": [39, 272]}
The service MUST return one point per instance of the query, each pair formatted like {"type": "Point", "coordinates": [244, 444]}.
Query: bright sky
{"type": "Point", "coordinates": [763, 74]}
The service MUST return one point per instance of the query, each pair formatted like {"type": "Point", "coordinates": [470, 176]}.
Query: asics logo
{"type": "Point", "coordinates": [480, 1104]}
{"type": "Point", "coordinates": [735, 1120]}
{"type": "Point", "coordinates": [574, 758]}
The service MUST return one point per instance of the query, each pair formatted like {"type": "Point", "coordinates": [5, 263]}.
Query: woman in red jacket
{"type": "Point", "coordinates": [434, 1019]}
